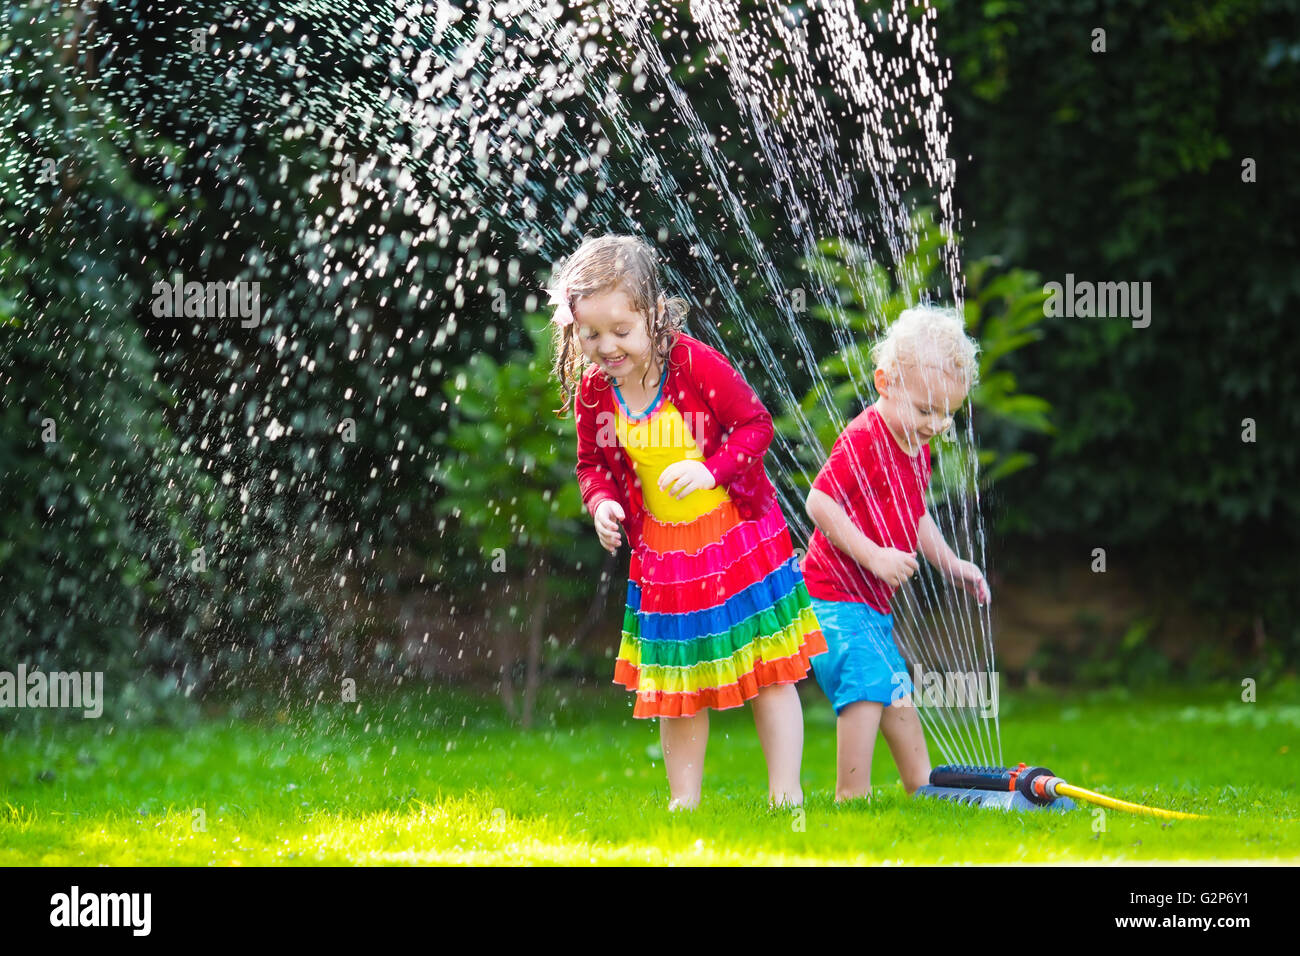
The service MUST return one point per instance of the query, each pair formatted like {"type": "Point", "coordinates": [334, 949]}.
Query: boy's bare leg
{"type": "Point", "coordinates": [684, 741]}
{"type": "Point", "coordinates": [855, 738]}
{"type": "Point", "coordinates": [778, 717]}
{"type": "Point", "coordinates": [901, 726]}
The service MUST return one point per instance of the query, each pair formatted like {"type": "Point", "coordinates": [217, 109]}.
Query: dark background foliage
{"type": "Point", "coordinates": [1127, 166]}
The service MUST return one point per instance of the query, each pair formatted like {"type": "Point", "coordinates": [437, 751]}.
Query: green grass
{"type": "Point", "coordinates": [439, 778]}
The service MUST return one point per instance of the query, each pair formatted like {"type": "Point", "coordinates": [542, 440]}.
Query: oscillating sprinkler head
{"type": "Point", "coordinates": [1036, 784]}
{"type": "Point", "coordinates": [1023, 788]}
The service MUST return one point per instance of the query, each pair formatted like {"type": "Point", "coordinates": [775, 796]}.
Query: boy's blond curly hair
{"type": "Point", "coordinates": [599, 265]}
{"type": "Point", "coordinates": [928, 335]}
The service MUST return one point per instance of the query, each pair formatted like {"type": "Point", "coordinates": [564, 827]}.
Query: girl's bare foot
{"type": "Point", "coordinates": [785, 799]}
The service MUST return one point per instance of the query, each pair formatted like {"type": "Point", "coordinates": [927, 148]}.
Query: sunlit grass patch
{"type": "Point", "coordinates": [441, 779]}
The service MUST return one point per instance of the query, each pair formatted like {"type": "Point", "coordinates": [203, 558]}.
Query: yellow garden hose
{"type": "Point", "coordinates": [1070, 790]}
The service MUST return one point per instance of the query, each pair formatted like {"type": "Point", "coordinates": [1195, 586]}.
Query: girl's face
{"type": "Point", "coordinates": [919, 403]}
{"type": "Point", "coordinates": [614, 336]}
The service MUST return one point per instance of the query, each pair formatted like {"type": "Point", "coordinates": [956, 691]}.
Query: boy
{"type": "Point", "coordinates": [868, 507]}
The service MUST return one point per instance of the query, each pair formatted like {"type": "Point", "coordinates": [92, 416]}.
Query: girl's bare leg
{"type": "Point", "coordinates": [778, 717]}
{"type": "Point", "coordinates": [684, 741]}
{"type": "Point", "coordinates": [855, 738]}
{"type": "Point", "coordinates": [901, 726]}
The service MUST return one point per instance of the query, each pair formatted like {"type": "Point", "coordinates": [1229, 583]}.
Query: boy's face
{"type": "Point", "coordinates": [920, 403]}
{"type": "Point", "coordinates": [614, 336]}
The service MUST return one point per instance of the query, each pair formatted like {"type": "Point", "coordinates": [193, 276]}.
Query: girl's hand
{"type": "Point", "coordinates": [682, 477]}
{"type": "Point", "coordinates": [971, 579]}
{"type": "Point", "coordinates": [608, 514]}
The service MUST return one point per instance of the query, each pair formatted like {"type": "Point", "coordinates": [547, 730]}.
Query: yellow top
{"type": "Point", "coordinates": [653, 443]}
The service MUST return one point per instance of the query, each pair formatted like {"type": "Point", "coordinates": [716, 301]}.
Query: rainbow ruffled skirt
{"type": "Point", "coordinates": [716, 609]}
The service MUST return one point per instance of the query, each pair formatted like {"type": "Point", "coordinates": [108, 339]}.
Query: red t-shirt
{"type": "Point", "coordinates": [883, 490]}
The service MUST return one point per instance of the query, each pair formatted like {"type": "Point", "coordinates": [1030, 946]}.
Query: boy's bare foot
{"type": "Point", "coordinates": [843, 796]}
{"type": "Point", "coordinates": [683, 803]}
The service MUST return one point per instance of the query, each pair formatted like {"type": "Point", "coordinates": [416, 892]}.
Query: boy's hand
{"type": "Point", "coordinates": [682, 477]}
{"type": "Point", "coordinates": [971, 579]}
{"type": "Point", "coordinates": [608, 513]}
{"type": "Point", "coordinates": [893, 566]}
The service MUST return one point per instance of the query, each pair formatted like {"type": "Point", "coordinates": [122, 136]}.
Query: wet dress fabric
{"type": "Point", "coordinates": [716, 605]}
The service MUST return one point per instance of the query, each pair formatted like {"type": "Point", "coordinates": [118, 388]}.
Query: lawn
{"type": "Point", "coordinates": [438, 777]}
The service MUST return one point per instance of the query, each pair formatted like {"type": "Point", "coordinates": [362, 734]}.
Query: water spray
{"type": "Point", "coordinates": [1024, 788]}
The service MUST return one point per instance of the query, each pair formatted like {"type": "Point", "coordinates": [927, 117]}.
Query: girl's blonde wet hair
{"type": "Point", "coordinates": [602, 264]}
{"type": "Point", "coordinates": [931, 336]}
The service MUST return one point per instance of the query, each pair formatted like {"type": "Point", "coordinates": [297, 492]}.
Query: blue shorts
{"type": "Point", "coordinates": [862, 662]}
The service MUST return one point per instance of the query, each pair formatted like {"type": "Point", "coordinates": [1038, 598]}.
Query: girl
{"type": "Point", "coordinates": [670, 443]}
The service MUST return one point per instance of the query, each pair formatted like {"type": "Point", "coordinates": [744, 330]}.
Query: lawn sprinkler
{"type": "Point", "coordinates": [1023, 788]}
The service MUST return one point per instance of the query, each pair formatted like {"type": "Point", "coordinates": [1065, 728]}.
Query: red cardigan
{"type": "Point", "coordinates": [729, 424]}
